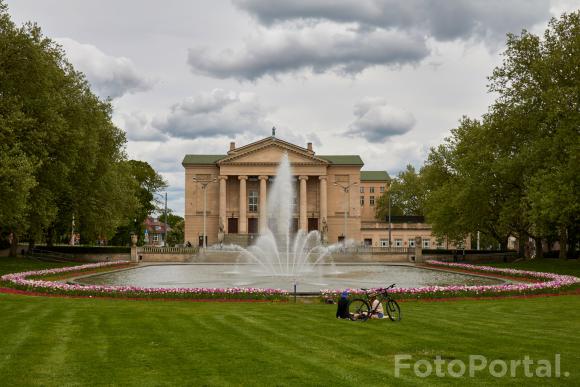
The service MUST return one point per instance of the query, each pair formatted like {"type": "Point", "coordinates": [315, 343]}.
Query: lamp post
{"type": "Point", "coordinates": [390, 224]}
{"type": "Point", "coordinates": [204, 184]}
{"type": "Point", "coordinates": [346, 189]}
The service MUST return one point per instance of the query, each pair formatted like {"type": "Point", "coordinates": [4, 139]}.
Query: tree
{"type": "Point", "coordinates": [514, 172]}
{"type": "Point", "coordinates": [147, 182]}
{"type": "Point", "coordinates": [177, 224]}
{"type": "Point", "coordinates": [62, 156]}
{"type": "Point", "coordinates": [539, 96]}
{"type": "Point", "coordinates": [407, 195]}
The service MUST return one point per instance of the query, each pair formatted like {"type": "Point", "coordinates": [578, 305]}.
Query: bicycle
{"type": "Point", "coordinates": [361, 310]}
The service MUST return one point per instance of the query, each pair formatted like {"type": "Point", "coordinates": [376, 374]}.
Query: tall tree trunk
{"type": "Point", "coordinates": [50, 237]}
{"type": "Point", "coordinates": [503, 244]}
{"type": "Point", "coordinates": [522, 244]}
{"type": "Point", "coordinates": [31, 244]}
{"type": "Point", "coordinates": [13, 244]}
{"type": "Point", "coordinates": [563, 242]}
{"type": "Point", "coordinates": [539, 248]}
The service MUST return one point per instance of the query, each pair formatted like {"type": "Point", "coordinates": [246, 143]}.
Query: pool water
{"type": "Point", "coordinates": [338, 276]}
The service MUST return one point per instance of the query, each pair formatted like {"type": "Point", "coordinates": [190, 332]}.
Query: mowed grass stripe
{"type": "Point", "coordinates": [18, 337]}
{"type": "Point", "coordinates": [154, 343]}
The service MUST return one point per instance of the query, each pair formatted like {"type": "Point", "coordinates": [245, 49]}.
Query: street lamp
{"type": "Point", "coordinates": [390, 224]}
{"type": "Point", "coordinates": [204, 184]}
{"type": "Point", "coordinates": [165, 214]}
{"type": "Point", "coordinates": [346, 189]}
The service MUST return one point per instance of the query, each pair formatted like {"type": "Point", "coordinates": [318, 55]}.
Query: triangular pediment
{"type": "Point", "coordinates": [269, 151]}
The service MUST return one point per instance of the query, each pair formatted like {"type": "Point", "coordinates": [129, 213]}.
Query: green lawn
{"type": "Point", "coordinates": [569, 267]}
{"type": "Point", "coordinates": [59, 341]}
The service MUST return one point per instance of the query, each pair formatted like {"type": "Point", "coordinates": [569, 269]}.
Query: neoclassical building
{"type": "Point", "coordinates": [237, 185]}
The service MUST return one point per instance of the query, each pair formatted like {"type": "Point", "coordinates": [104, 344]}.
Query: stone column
{"type": "Point", "coordinates": [263, 203]}
{"type": "Point", "coordinates": [243, 220]}
{"type": "Point", "coordinates": [223, 202]}
{"type": "Point", "coordinates": [303, 203]}
{"type": "Point", "coordinates": [323, 205]}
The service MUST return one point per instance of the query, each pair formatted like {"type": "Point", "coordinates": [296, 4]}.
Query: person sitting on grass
{"type": "Point", "coordinates": [376, 306]}
{"type": "Point", "coordinates": [342, 309]}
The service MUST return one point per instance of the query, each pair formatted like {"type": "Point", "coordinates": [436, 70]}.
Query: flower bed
{"type": "Point", "coordinates": [546, 283]}
{"type": "Point", "coordinates": [32, 281]}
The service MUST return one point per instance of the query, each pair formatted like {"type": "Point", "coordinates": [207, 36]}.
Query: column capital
{"type": "Point", "coordinates": [222, 177]}
{"type": "Point", "coordinates": [242, 177]}
{"type": "Point", "coordinates": [322, 177]}
{"type": "Point", "coordinates": [302, 177]}
{"type": "Point", "coordinates": [263, 177]}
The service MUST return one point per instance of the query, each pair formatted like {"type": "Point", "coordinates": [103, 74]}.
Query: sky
{"type": "Point", "coordinates": [383, 79]}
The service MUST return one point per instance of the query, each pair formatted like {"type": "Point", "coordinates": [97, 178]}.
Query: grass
{"type": "Point", "coordinates": [60, 341]}
{"type": "Point", "coordinates": [19, 264]}
{"type": "Point", "coordinates": [552, 265]}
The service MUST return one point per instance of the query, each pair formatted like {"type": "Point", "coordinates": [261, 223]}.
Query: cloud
{"type": "Point", "coordinates": [319, 48]}
{"type": "Point", "coordinates": [444, 20]}
{"type": "Point", "coordinates": [217, 113]}
{"type": "Point", "coordinates": [109, 76]}
{"type": "Point", "coordinates": [138, 127]}
{"type": "Point", "coordinates": [376, 120]}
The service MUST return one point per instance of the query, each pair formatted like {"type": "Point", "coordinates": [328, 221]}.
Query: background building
{"type": "Point", "coordinates": [154, 231]}
{"type": "Point", "coordinates": [327, 186]}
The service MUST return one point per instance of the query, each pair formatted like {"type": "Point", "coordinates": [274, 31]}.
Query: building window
{"type": "Point", "coordinates": [362, 201]}
{"type": "Point", "coordinates": [398, 243]}
{"type": "Point", "coordinates": [362, 189]}
{"type": "Point", "coordinates": [382, 189]}
{"type": "Point", "coordinates": [411, 242]}
{"type": "Point", "coordinates": [426, 243]}
{"type": "Point", "coordinates": [440, 243]}
{"type": "Point", "coordinates": [384, 243]}
{"type": "Point", "coordinates": [253, 201]}
{"type": "Point", "coordinates": [372, 189]}
{"type": "Point", "coordinates": [155, 237]}
{"type": "Point", "coordinates": [372, 201]}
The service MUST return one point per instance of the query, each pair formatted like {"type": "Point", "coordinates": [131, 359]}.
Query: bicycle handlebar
{"type": "Point", "coordinates": [379, 289]}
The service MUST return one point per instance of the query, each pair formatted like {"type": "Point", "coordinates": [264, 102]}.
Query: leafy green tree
{"type": "Point", "coordinates": [177, 224]}
{"type": "Point", "coordinates": [147, 183]}
{"type": "Point", "coordinates": [64, 156]}
{"type": "Point", "coordinates": [539, 96]}
{"type": "Point", "coordinates": [407, 195]}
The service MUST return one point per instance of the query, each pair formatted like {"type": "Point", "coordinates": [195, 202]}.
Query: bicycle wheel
{"type": "Point", "coordinates": [393, 310]}
{"type": "Point", "coordinates": [359, 310]}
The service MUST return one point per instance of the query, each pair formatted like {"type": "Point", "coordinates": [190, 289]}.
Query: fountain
{"type": "Point", "coordinates": [278, 252]}
{"type": "Point", "coordinates": [281, 259]}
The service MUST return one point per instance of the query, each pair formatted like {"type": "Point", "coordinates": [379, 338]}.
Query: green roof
{"type": "Point", "coordinates": [343, 159]}
{"type": "Point", "coordinates": [374, 176]}
{"type": "Point", "coordinates": [201, 159]}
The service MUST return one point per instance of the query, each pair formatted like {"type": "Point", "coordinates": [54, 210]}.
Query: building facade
{"type": "Point", "coordinates": [330, 189]}
{"type": "Point", "coordinates": [154, 231]}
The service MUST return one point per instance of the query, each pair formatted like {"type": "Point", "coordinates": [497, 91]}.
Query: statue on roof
{"type": "Point", "coordinates": [273, 131]}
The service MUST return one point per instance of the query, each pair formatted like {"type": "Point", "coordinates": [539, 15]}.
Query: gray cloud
{"type": "Point", "coordinates": [376, 120]}
{"type": "Point", "coordinates": [109, 76]}
{"type": "Point", "coordinates": [318, 48]}
{"type": "Point", "coordinates": [444, 20]}
{"type": "Point", "coordinates": [217, 113]}
{"type": "Point", "coordinates": [138, 127]}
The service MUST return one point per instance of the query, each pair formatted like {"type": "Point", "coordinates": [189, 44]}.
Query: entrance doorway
{"type": "Point", "coordinates": [232, 225]}
{"type": "Point", "coordinates": [312, 224]}
{"type": "Point", "coordinates": [253, 225]}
